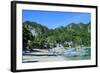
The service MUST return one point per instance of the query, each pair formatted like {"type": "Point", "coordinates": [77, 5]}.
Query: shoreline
{"type": "Point", "coordinates": [45, 55]}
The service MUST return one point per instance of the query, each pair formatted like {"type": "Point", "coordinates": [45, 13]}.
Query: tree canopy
{"type": "Point", "coordinates": [42, 37]}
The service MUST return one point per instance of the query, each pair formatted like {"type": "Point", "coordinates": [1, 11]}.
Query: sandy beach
{"type": "Point", "coordinates": [42, 58]}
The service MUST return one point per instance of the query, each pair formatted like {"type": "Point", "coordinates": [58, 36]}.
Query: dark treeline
{"type": "Point", "coordinates": [38, 36]}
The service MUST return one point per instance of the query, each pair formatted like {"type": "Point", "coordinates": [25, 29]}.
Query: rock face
{"type": "Point", "coordinates": [33, 31]}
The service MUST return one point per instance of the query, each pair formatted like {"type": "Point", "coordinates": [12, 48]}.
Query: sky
{"type": "Point", "coordinates": [54, 19]}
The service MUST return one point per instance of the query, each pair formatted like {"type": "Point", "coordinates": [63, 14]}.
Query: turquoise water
{"type": "Point", "coordinates": [82, 54]}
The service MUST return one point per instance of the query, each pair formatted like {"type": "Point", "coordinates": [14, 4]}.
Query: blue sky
{"type": "Point", "coordinates": [53, 19]}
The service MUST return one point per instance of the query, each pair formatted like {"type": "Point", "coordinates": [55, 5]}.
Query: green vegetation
{"type": "Point", "coordinates": [38, 36]}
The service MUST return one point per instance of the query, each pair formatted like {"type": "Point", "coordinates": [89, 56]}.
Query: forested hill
{"type": "Point", "coordinates": [36, 35]}
{"type": "Point", "coordinates": [35, 28]}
